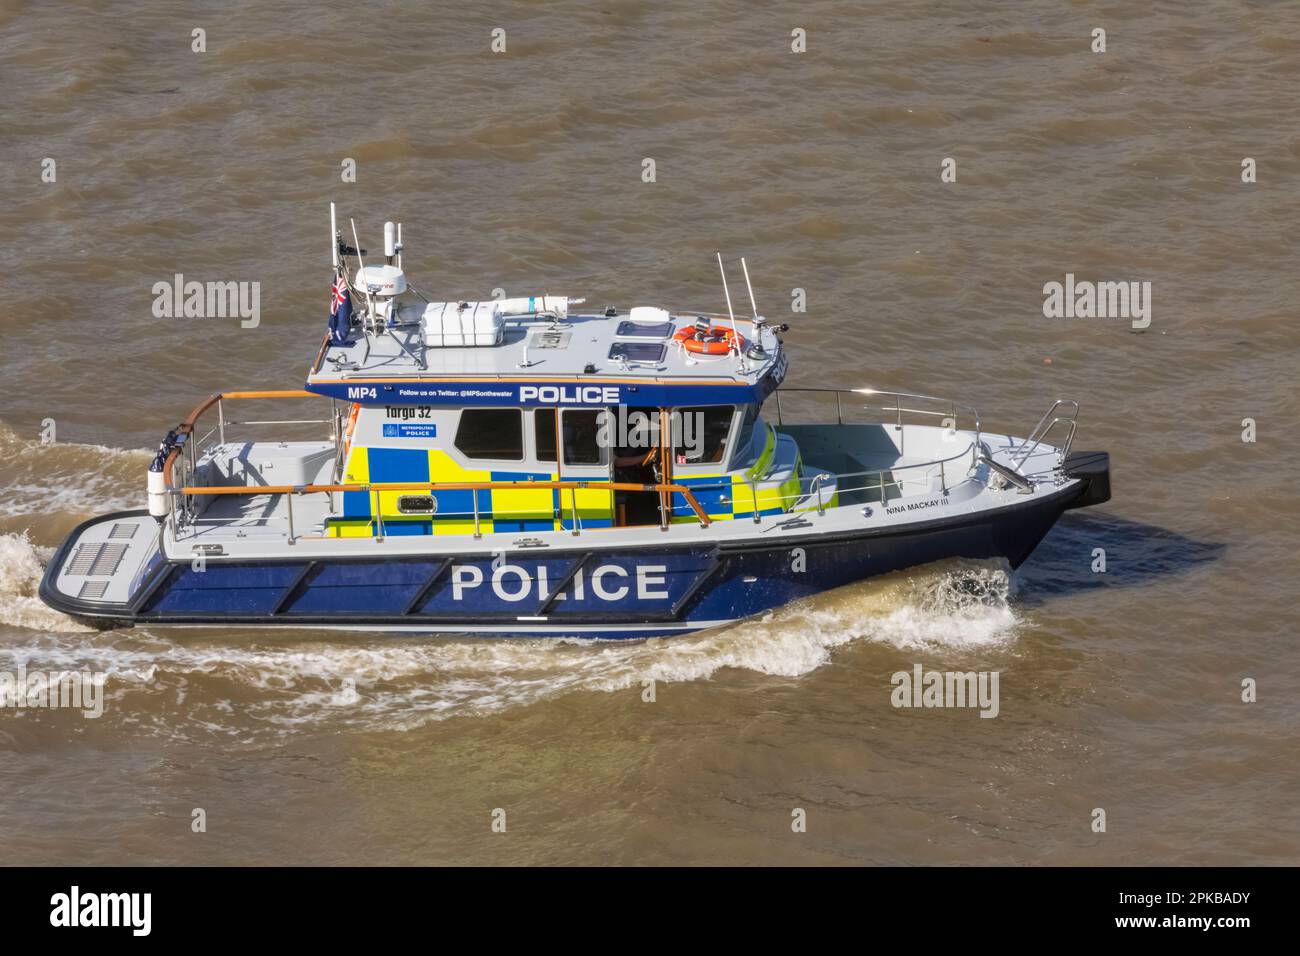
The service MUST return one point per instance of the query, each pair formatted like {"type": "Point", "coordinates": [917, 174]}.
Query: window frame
{"type": "Point", "coordinates": [724, 462]}
{"type": "Point", "coordinates": [602, 452]}
{"type": "Point", "coordinates": [553, 427]}
{"type": "Point", "coordinates": [460, 422]}
{"type": "Point", "coordinates": [537, 415]}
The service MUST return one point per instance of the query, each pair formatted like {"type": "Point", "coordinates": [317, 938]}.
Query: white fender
{"type": "Point", "coordinates": [160, 503]}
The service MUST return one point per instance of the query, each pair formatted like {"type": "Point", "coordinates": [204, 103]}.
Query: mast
{"type": "Point", "coordinates": [726, 291]}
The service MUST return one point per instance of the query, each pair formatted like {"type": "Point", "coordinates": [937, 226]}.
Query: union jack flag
{"type": "Point", "coordinates": [340, 311]}
{"type": "Point", "coordinates": [339, 294]}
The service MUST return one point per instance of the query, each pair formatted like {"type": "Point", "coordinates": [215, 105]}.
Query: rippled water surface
{"type": "Point", "coordinates": [522, 170]}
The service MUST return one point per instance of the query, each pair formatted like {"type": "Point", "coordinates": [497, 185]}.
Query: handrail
{"type": "Point", "coordinates": [434, 486]}
{"type": "Point", "coordinates": [1030, 445]}
{"type": "Point", "coordinates": [720, 316]}
{"type": "Point", "coordinates": [897, 407]}
{"type": "Point", "coordinates": [320, 355]}
{"type": "Point", "coordinates": [815, 483]}
{"type": "Point", "coordinates": [186, 426]}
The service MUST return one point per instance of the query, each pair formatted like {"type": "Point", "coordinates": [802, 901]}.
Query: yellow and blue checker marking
{"type": "Point", "coordinates": [728, 496]}
{"type": "Point", "coordinates": [506, 510]}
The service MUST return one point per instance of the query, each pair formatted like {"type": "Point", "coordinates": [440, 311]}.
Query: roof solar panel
{"type": "Point", "coordinates": [644, 330]}
{"type": "Point", "coordinates": [638, 351]}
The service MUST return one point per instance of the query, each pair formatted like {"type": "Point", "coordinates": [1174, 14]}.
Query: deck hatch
{"type": "Point", "coordinates": [96, 560]}
{"type": "Point", "coordinates": [93, 589]}
{"type": "Point", "coordinates": [84, 559]}
{"type": "Point", "coordinates": [551, 339]}
{"type": "Point", "coordinates": [107, 559]}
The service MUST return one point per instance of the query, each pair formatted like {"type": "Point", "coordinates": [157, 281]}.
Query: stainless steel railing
{"type": "Point", "coordinates": [865, 485]}
{"type": "Point", "coordinates": [878, 406]}
{"type": "Point", "coordinates": [1050, 420]}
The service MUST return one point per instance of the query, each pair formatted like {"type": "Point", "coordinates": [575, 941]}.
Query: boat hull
{"type": "Point", "coordinates": [611, 592]}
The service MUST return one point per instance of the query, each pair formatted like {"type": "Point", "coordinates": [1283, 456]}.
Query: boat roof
{"type": "Point", "coordinates": [594, 359]}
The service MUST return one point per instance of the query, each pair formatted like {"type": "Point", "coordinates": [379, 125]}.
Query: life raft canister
{"type": "Point", "coordinates": [714, 340]}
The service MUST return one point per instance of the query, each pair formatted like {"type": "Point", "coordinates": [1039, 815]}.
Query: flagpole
{"type": "Point", "coordinates": [334, 240]}
{"type": "Point", "coordinates": [361, 264]}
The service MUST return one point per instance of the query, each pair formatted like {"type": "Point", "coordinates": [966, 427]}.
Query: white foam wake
{"type": "Point", "coordinates": [21, 567]}
{"type": "Point", "coordinates": [67, 477]}
{"type": "Point", "coordinates": [397, 683]}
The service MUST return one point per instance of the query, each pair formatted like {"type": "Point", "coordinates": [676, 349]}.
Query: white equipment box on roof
{"type": "Point", "coordinates": [459, 324]}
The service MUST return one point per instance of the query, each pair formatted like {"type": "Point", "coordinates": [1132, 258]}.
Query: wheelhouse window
{"type": "Point", "coordinates": [492, 433]}
{"type": "Point", "coordinates": [745, 436]}
{"type": "Point", "coordinates": [705, 431]}
{"type": "Point", "coordinates": [581, 427]}
{"type": "Point", "coordinates": [544, 433]}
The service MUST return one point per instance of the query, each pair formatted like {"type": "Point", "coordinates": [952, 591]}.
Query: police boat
{"type": "Point", "coordinates": [526, 467]}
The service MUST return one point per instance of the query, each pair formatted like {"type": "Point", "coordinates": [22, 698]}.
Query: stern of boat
{"type": "Point", "coordinates": [101, 572]}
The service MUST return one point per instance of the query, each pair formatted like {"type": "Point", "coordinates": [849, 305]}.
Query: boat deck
{"type": "Point", "coordinates": [260, 516]}
{"type": "Point", "coordinates": [580, 346]}
{"type": "Point", "coordinates": [260, 524]}
{"type": "Point", "coordinates": [108, 558]}
{"type": "Point", "coordinates": [111, 565]}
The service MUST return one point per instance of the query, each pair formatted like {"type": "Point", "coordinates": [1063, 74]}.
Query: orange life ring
{"type": "Point", "coordinates": [717, 341]}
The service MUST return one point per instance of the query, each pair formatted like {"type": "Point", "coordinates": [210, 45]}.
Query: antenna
{"type": "Point", "coordinates": [334, 239]}
{"type": "Point", "coordinates": [356, 243]}
{"type": "Point", "coordinates": [758, 321]}
{"type": "Point", "coordinates": [399, 245]}
{"type": "Point", "coordinates": [726, 291]}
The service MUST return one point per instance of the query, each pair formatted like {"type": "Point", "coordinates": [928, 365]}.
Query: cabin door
{"type": "Point", "coordinates": [638, 460]}
{"type": "Point", "coordinates": [584, 456]}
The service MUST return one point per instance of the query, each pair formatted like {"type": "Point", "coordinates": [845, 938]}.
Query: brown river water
{"type": "Point", "coordinates": [1119, 690]}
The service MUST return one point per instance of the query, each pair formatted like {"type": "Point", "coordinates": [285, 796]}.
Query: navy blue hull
{"type": "Point", "coordinates": [620, 592]}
